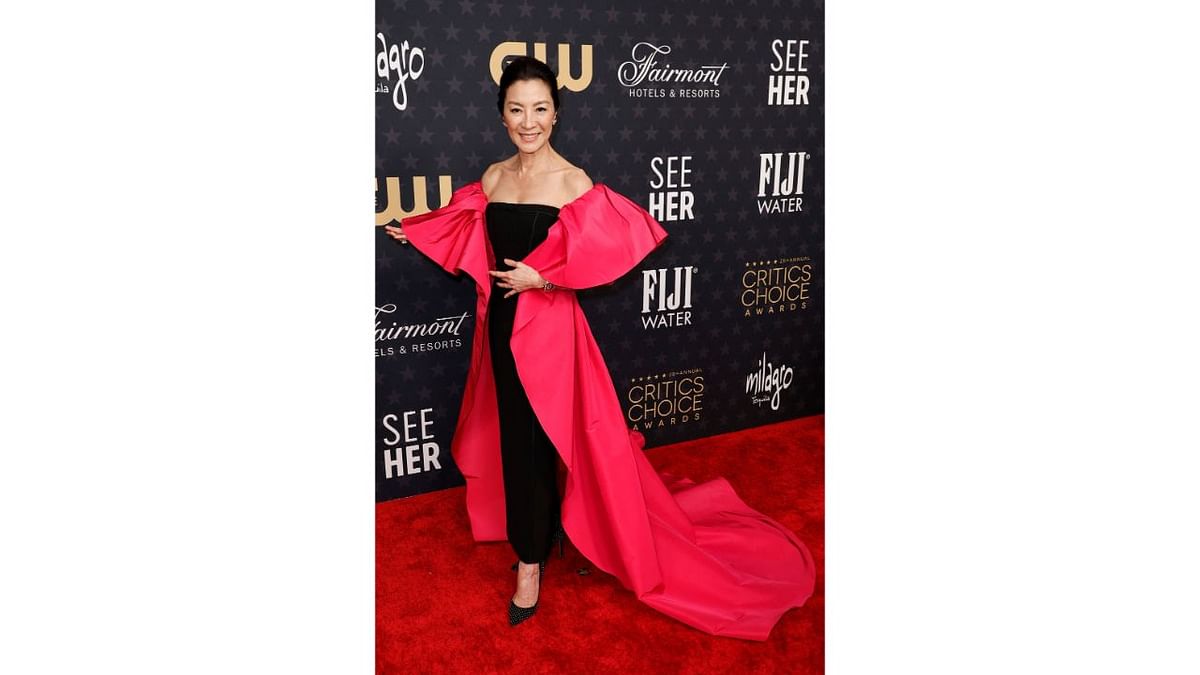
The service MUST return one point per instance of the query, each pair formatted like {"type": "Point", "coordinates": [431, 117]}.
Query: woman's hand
{"type": "Point", "coordinates": [521, 278]}
{"type": "Point", "coordinates": [396, 233]}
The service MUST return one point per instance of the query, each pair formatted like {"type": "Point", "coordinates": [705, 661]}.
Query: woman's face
{"type": "Point", "coordinates": [529, 114]}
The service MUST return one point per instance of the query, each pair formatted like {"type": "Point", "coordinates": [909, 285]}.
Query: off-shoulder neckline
{"type": "Point", "coordinates": [595, 186]}
{"type": "Point", "coordinates": [547, 206]}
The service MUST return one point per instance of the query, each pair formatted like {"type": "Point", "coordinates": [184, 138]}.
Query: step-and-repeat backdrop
{"type": "Point", "coordinates": [708, 114]}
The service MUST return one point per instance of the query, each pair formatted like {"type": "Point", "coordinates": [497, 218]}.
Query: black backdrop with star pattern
{"type": "Point", "coordinates": [708, 114]}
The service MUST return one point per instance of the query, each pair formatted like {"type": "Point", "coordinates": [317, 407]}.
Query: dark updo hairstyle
{"type": "Point", "coordinates": [526, 68]}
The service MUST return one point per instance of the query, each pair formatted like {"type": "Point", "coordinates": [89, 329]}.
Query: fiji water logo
{"type": "Point", "coordinates": [781, 181]}
{"type": "Point", "coordinates": [667, 297]}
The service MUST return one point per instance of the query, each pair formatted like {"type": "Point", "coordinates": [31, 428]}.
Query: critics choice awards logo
{"type": "Point", "coordinates": [392, 338]}
{"type": "Point", "coordinates": [664, 399]}
{"type": "Point", "coordinates": [767, 382]}
{"type": "Point", "coordinates": [395, 65]}
{"type": "Point", "coordinates": [776, 285]}
{"type": "Point", "coordinates": [393, 210]}
{"type": "Point", "coordinates": [667, 297]}
{"type": "Point", "coordinates": [409, 443]}
{"type": "Point", "coordinates": [787, 83]}
{"type": "Point", "coordinates": [781, 181]}
{"type": "Point", "coordinates": [647, 67]}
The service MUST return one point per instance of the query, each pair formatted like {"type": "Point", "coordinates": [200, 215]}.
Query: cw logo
{"type": "Point", "coordinates": [565, 79]}
{"type": "Point", "coordinates": [394, 211]}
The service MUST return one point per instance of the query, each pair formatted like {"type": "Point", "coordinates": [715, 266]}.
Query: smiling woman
{"type": "Point", "coordinates": [538, 391]}
{"type": "Point", "coordinates": [528, 103]}
{"type": "Point", "coordinates": [529, 114]}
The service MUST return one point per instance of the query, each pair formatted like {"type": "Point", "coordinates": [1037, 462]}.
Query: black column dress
{"type": "Point", "coordinates": [529, 460]}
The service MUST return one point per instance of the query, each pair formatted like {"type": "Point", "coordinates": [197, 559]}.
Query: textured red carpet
{"type": "Point", "coordinates": [441, 598]}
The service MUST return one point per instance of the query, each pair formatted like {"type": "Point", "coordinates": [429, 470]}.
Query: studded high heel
{"type": "Point", "coordinates": [518, 614]}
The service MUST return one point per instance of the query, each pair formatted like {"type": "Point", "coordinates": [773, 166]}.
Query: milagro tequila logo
{"type": "Point", "coordinates": [767, 382]}
{"type": "Point", "coordinates": [665, 399]}
{"type": "Point", "coordinates": [671, 200]}
{"type": "Point", "coordinates": [647, 66]}
{"type": "Point", "coordinates": [781, 181]}
{"type": "Point", "coordinates": [409, 444]}
{"type": "Point", "coordinates": [667, 297]}
{"type": "Point", "coordinates": [395, 65]}
{"type": "Point", "coordinates": [392, 338]}
{"type": "Point", "coordinates": [788, 83]}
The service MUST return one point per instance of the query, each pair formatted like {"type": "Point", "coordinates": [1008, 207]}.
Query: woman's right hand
{"type": "Point", "coordinates": [395, 232]}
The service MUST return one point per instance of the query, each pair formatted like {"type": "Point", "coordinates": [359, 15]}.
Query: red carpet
{"type": "Point", "coordinates": [441, 598]}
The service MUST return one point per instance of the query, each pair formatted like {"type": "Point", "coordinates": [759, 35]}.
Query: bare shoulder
{"type": "Point", "coordinates": [577, 182]}
{"type": "Point", "coordinates": [491, 177]}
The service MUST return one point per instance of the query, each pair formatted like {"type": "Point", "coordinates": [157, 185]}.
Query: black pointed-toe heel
{"type": "Point", "coordinates": [518, 614]}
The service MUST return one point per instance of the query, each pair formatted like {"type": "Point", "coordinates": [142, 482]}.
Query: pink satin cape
{"type": "Point", "coordinates": [695, 552]}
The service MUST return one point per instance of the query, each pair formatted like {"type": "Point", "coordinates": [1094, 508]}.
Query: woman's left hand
{"type": "Point", "coordinates": [521, 278]}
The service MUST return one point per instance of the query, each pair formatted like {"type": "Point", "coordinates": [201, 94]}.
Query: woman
{"type": "Point", "coordinates": [538, 391]}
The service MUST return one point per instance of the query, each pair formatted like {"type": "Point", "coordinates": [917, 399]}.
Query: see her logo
{"type": "Point", "coordinates": [790, 85]}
